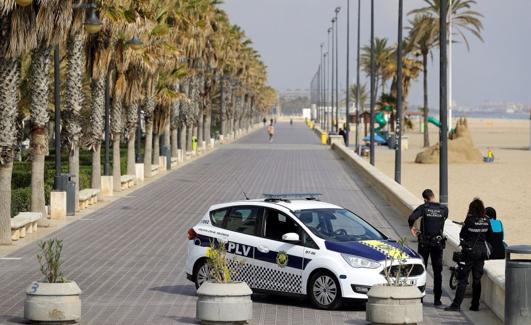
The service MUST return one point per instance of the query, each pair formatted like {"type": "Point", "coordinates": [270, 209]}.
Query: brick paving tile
{"type": "Point", "coordinates": [129, 257]}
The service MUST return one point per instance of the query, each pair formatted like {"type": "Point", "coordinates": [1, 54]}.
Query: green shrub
{"type": "Point", "coordinates": [20, 200]}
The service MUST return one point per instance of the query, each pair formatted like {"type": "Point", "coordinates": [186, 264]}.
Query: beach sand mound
{"type": "Point", "coordinates": [460, 148]}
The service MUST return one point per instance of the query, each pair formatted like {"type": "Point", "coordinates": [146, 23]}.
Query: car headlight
{"type": "Point", "coordinates": [360, 262]}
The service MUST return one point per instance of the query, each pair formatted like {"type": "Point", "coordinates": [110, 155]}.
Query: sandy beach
{"type": "Point", "coordinates": [504, 184]}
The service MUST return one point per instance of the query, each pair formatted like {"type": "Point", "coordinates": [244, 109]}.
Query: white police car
{"type": "Point", "coordinates": [299, 247]}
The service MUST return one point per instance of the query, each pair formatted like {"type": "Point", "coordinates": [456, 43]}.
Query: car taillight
{"type": "Point", "coordinates": [192, 234]}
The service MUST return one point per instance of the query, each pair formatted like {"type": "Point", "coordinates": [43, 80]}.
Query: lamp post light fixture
{"type": "Point", "coordinates": [23, 3]}
{"type": "Point", "coordinates": [92, 24]}
{"type": "Point", "coordinates": [135, 43]}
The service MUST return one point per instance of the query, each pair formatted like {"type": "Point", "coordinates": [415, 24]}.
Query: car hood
{"type": "Point", "coordinates": [376, 250]}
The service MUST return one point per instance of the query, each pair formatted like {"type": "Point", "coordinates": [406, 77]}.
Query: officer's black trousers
{"type": "Point", "coordinates": [465, 267]}
{"type": "Point", "coordinates": [436, 254]}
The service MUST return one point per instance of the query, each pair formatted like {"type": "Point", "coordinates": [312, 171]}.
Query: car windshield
{"type": "Point", "coordinates": [338, 225]}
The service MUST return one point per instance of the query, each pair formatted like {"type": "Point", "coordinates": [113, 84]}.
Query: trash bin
{"type": "Point", "coordinates": [165, 151]}
{"type": "Point", "coordinates": [194, 143]}
{"type": "Point", "coordinates": [391, 142]}
{"type": "Point", "coordinates": [324, 137]}
{"type": "Point", "coordinates": [518, 286]}
{"type": "Point", "coordinates": [64, 183]}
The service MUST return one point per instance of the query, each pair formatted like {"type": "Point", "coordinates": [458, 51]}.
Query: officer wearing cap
{"type": "Point", "coordinates": [430, 233]}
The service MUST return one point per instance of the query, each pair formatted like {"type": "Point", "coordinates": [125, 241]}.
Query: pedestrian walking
{"type": "Point", "coordinates": [497, 236]}
{"type": "Point", "coordinates": [430, 233]}
{"type": "Point", "coordinates": [475, 251]}
{"type": "Point", "coordinates": [344, 135]}
{"type": "Point", "coordinates": [271, 132]}
{"type": "Point", "coordinates": [264, 120]}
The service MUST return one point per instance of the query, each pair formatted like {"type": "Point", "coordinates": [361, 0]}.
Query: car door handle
{"type": "Point", "coordinates": [263, 249]}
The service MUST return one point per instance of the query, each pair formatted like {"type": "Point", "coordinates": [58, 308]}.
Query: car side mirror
{"type": "Point", "coordinates": [291, 237]}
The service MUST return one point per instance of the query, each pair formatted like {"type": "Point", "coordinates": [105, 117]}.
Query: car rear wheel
{"type": "Point", "coordinates": [201, 273]}
{"type": "Point", "coordinates": [324, 290]}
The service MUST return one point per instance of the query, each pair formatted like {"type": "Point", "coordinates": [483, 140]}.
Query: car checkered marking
{"type": "Point", "coordinates": [258, 277]}
{"type": "Point", "coordinates": [387, 250]}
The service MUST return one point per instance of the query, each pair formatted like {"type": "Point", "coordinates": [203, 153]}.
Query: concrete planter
{"type": "Point", "coordinates": [52, 302]}
{"type": "Point", "coordinates": [394, 305]}
{"type": "Point", "coordinates": [224, 303]}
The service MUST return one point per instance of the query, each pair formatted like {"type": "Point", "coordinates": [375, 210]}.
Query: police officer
{"type": "Point", "coordinates": [475, 251]}
{"type": "Point", "coordinates": [432, 216]}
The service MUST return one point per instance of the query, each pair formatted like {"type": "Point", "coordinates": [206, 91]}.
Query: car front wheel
{"type": "Point", "coordinates": [324, 290]}
{"type": "Point", "coordinates": [201, 273]}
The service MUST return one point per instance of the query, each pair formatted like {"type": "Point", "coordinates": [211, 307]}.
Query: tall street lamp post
{"type": "Point", "coordinates": [398, 128]}
{"type": "Point", "coordinates": [347, 99]}
{"type": "Point", "coordinates": [106, 166]}
{"type": "Point", "coordinates": [443, 105]}
{"type": "Point", "coordinates": [358, 81]}
{"type": "Point", "coordinates": [373, 95]}
{"type": "Point", "coordinates": [333, 76]}
{"type": "Point", "coordinates": [138, 139]}
{"type": "Point", "coordinates": [330, 83]}
{"type": "Point", "coordinates": [325, 99]}
{"type": "Point", "coordinates": [321, 84]}
{"type": "Point", "coordinates": [338, 9]}
{"type": "Point", "coordinates": [57, 99]}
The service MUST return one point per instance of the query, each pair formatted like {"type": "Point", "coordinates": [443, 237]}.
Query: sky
{"type": "Point", "coordinates": [288, 33]}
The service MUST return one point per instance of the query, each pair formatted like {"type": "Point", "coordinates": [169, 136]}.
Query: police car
{"type": "Point", "coordinates": [299, 246]}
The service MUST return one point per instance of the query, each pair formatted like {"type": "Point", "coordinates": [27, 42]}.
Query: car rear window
{"type": "Point", "coordinates": [217, 217]}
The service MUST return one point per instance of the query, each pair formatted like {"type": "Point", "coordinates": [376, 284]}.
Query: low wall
{"type": "Point", "coordinates": [493, 282]}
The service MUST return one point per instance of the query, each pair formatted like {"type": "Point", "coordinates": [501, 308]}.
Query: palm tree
{"type": "Point", "coordinates": [382, 56]}
{"type": "Point", "coordinates": [17, 37]}
{"type": "Point", "coordinates": [52, 19]}
{"type": "Point", "coordinates": [424, 35]}
{"type": "Point", "coordinates": [99, 54]}
{"type": "Point", "coordinates": [74, 96]}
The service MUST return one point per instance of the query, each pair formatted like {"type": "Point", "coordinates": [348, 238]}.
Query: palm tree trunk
{"type": "Point", "coordinates": [426, 110]}
{"type": "Point", "coordinates": [96, 167]}
{"type": "Point", "coordinates": [39, 75]}
{"type": "Point", "coordinates": [131, 159]}
{"type": "Point", "coordinates": [148, 147]}
{"type": "Point", "coordinates": [156, 149]}
{"type": "Point", "coordinates": [200, 128]}
{"type": "Point", "coordinates": [73, 104]}
{"type": "Point", "coordinates": [189, 135]}
{"type": "Point", "coordinates": [182, 138]}
{"type": "Point", "coordinates": [208, 124]}
{"type": "Point", "coordinates": [116, 172]}
{"type": "Point", "coordinates": [173, 139]}
{"type": "Point", "coordinates": [39, 145]}
{"type": "Point", "coordinates": [6, 170]}
{"type": "Point", "coordinates": [9, 84]}
{"type": "Point", "coordinates": [73, 169]}
{"type": "Point", "coordinates": [167, 135]}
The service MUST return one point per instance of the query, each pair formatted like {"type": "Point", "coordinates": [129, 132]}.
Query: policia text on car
{"type": "Point", "coordinates": [431, 238]}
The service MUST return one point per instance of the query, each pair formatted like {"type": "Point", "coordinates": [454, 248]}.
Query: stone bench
{"type": "Point", "coordinates": [127, 181]}
{"type": "Point", "coordinates": [24, 223]}
{"type": "Point", "coordinates": [87, 197]}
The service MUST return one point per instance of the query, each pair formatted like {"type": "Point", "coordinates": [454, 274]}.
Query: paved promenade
{"type": "Point", "coordinates": [128, 257]}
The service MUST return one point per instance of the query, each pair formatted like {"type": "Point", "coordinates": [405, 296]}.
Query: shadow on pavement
{"type": "Point", "coordinates": [179, 289]}
{"type": "Point", "coordinates": [347, 305]}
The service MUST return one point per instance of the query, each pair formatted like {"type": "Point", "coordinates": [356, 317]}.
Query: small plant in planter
{"type": "Point", "coordinates": [54, 299]}
{"type": "Point", "coordinates": [221, 300]}
{"type": "Point", "coordinates": [399, 300]}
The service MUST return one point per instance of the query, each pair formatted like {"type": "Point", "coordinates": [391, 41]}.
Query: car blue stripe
{"type": "Point", "coordinates": [296, 262]}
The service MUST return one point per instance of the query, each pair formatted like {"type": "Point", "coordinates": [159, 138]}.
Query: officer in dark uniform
{"type": "Point", "coordinates": [475, 251]}
{"type": "Point", "coordinates": [431, 238]}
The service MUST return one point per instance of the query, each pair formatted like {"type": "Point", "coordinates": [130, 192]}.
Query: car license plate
{"type": "Point", "coordinates": [408, 282]}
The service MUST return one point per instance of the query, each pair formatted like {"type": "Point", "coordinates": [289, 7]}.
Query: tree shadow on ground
{"type": "Point", "coordinates": [178, 289]}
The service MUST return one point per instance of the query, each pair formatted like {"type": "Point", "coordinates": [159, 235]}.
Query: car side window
{"type": "Point", "coordinates": [278, 224]}
{"type": "Point", "coordinates": [217, 217]}
{"type": "Point", "coordinates": [243, 220]}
